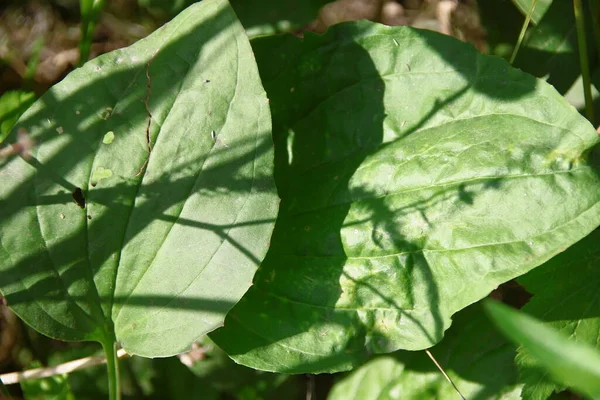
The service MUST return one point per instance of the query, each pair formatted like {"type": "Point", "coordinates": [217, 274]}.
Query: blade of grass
{"type": "Point", "coordinates": [583, 59]}
{"type": "Point", "coordinates": [90, 11]}
{"type": "Point", "coordinates": [570, 363]}
{"type": "Point", "coordinates": [523, 30]}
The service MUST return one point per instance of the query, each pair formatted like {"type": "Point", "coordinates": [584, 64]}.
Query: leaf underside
{"type": "Point", "coordinates": [416, 175]}
{"type": "Point", "coordinates": [108, 236]}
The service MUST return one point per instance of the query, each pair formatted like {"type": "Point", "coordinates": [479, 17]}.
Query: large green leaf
{"type": "Point", "coordinates": [570, 363]}
{"type": "Point", "coordinates": [473, 354]}
{"type": "Point", "coordinates": [566, 298]}
{"type": "Point", "coordinates": [420, 175]}
{"type": "Point", "coordinates": [163, 238]}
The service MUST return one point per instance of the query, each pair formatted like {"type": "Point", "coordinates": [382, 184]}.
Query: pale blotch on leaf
{"type": "Point", "coordinates": [60, 130]}
{"type": "Point", "coordinates": [99, 174]}
{"type": "Point", "coordinates": [109, 137]}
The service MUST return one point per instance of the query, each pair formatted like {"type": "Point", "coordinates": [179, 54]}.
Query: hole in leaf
{"type": "Point", "coordinates": [78, 197]}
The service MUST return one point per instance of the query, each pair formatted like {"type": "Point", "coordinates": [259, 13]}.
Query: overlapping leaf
{"type": "Point", "coordinates": [565, 297]}
{"type": "Point", "coordinates": [148, 201]}
{"type": "Point", "coordinates": [570, 363]}
{"type": "Point", "coordinates": [416, 175]}
{"type": "Point", "coordinates": [476, 357]}
{"type": "Point", "coordinates": [551, 48]}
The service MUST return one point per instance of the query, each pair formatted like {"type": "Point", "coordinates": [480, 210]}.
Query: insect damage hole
{"type": "Point", "coordinates": [78, 197]}
{"type": "Point", "coordinates": [214, 137]}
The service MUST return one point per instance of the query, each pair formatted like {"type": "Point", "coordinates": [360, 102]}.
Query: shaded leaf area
{"type": "Point", "coordinates": [570, 363]}
{"type": "Point", "coordinates": [12, 105]}
{"type": "Point", "coordinates": [154, 253]}
{"type": "Point", "coordinates": [541, 7]}
{"type": "Point", "coordinates": [474, 355]}
{"type": "Point", "coordinates": [565, 297]}
{"type": "Point", "coordinates": [550, 49]}
{"type": "Point", "coordinates": [416, 175]}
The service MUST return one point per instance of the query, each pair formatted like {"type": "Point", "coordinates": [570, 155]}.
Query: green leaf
{"type": "Point", "coordinates": [551, 50]}
{"type": "Point", "coordinates": [420, 175]}
{"type": "Point", "coordinates": [12, 105]}
{"type": "Point", "coordinates": [570, 363]}
{"type": "Point", "coordinates": [156, 252]}
{"type": "Point", "coordinates": [475, 356]}
{"type": "Point", "coordinates": [541, 7]}
{"type": "Point", "coordinates": [565, 293]}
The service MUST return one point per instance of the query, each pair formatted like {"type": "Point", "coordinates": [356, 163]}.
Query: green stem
{"type": "Point", "coordinates": [583, 59]}
{"type": "Point", "coordinates": [112, 363]}
{"type": "Point", "coordinates": [523, 30]}
{"type": "Point", "coordinates": [90, 12]}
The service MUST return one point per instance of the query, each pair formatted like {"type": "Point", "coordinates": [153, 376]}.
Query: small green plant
{"type": "Point", "coordinates": [308, 203]}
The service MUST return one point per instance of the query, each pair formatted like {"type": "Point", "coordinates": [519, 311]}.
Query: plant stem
{"type": "Point", "coordinates": [112, 363]}
{"type": "Point", "coordinates": [90, 11]}
{"type": "Point", "coordinates": [445, 374]}
{"type": "Point", "coordinates": [583, 59]}
{"type": "Point", "coordinates": [38, 373]}
{"type": "Point", "coordinates": [523, 30]}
